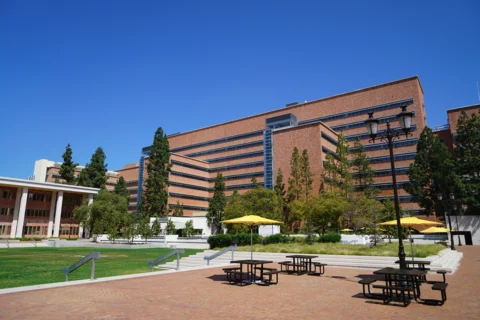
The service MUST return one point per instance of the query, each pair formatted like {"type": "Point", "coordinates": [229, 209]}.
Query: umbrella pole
{"type": "Point", "coordinates": [251, 243]}
{"type": "Point", "coordinates": [411, 243]}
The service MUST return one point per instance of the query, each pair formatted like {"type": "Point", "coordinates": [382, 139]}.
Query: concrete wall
{"type": "Point", "coordinates": [468, 223]}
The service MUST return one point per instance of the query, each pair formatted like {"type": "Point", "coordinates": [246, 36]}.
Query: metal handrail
{"type": "Point", "coordinates": [92, 256]}
{"type": "Point", "coordinates": [219, 253]}
{"type": "Point", "coordinates": [152, 263]}
{"type": "Point", "coordinates": [7, 243]}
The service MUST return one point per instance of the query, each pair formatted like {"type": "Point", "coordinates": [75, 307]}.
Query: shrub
{"type": "Point", "coordinates": [278, 238]}
{"type": "Point", "coordinates": [330, 237]}
{"type": "Point", "coordinates": [225, 240]}
{"type": "Point", "coordinates": [32, 239]}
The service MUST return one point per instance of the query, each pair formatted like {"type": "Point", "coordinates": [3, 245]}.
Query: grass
{"type": "Point", "coordinates": [387, 250]}
{"type": "Point", "coordinates": [30, 266]}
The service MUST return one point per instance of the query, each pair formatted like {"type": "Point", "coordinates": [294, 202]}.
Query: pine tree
{"type": "Point", "coordinates": [363, 171]}
{"type": "Point", "coordinates": [67, 169]}
{"type": "Point", "coordinates": [156, 228]}
{"type": "Point", "coordinates": [337, 175]}
{"type": "Point", "coordinates": [155, 195]}
{"type": "Point", "coordinates": [121, 188]}
{"type": "Point", "coordinates": [467, 150]}
{"type": "Point", "coordinates": [178, 210]}
{"type": "Point", "coordinates": [189, 230]}
{"type": "Point", "coordinates": [294, 182]}
{"type": "Point", "coordinates": [216, 206]}
{"type": "Point", "coordinates": [254, 182]}
{"type": "Point", "coordinates": [170, 228]}
{"type": "Point", "coordinates": [279, 185]}
{"type": "Point", "coordinates": [306, 176]}
{"type": "Point", "coordinates": [95, 173]}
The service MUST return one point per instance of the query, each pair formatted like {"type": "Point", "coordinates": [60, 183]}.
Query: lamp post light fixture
{"type": "Point", "coordinates": [440, 197]}
{"type": "Point", "coordinates": [389, 135]}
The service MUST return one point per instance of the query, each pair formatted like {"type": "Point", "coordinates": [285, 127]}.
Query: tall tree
{"type": "Point", "coordinates": [294, 182]}
{"type": "Point", "coordinates": [178, 210]}
{"type": "Point", "coordinates": [255, 184]}
{"type": "Point", "coordinates": [467, 150]}
{"type": "Point", "coordinates": [95, 172]}
{"type": "Point", "coordinates": [306, 176]}
{"type": "Point", "coordinates": [279, 185]}
{"type": "Point", "coordinates": [262, 202]}
{"type": "Point", "coordinates": [189, 230]}
{"type": "Point", "coordinates": [324, 211]}
{"type": "Point", "coordinates": [216, 206]}
{"type": "Point", "coordinates": [156, 228]}
{"type": "Point", "coordinates": [121, 188]}
{"type": "Point", "coordinates": [170, 228]}
{"type": "Point", "coordinates": [337, 174]}
{"type": "Point", "coordinates": [155, 195]}
{"type": "Point", "coordinates": [67, 169]}
{"type": "Point", "coordinates": [363, 171]}
{"type": "Point", "coordinates": [235, 209]}
{"type": "Point", "coordinates": [370, 214]}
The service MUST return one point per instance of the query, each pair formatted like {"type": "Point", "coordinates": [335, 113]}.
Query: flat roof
{"type": "Point", "coordinates": [23, 183]}
{"type": "Point", "coordinates": [300, 104]}
{"type": "Point", "coordinates": [465, 107]}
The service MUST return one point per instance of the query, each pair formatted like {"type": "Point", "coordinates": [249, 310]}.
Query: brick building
{"type": "Point", "coordinates": [257, 146]}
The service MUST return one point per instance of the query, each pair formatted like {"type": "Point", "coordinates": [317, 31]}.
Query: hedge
{"type": "Point", "coordinates": [278, 238]}
{"type": "Point", "coordinates": [330, 237]}
{"type": "Point", "coordinates": [225, 240]}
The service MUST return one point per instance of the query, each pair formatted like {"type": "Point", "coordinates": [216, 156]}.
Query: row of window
{"type": "Point", "coordinates": [401, 199]}
{"type": "Point", "coordinates": [360, 124]}
{"type": "Point", "coordinates": [357, 112]}
{"type": "Point", "coordinates": [385, 186]}
{"type": "Point", "coordinates": [237, 156]}
{"type": "Point", "coordinates": [72, 200]}
{"type": "Point", "coordinates": [365, 135]}
{"type": "Point", "coordinates": [40, 197]}
{"type": "Point", "coordinates": [67, 214]}
{"type": "Point", "coordinates": [146, 150]}
{"type": "Point", "coordinates": [5, 230]}
{"type": "Point", "coordinates": [396, 144]}
{"type": "Point", "coordinates": [37, 213]}
{"type": "Point", "coordinates": [9, 195]}
{"type": "Point", "coordinates": [230, 177]}
{"type": "Point", "coordinates": [329, 139]}
{"type": "Point", "coordinates": [387, 172]}
{"type": "Point", "coordinates": [232, 187]}
{"type": "Point", "coordinates": [217, 169]}
{"type": "Point", "coordinates": [227, 148]}
{"type": "Point", "coordinates": [68, 230]}
{"type": "Point", "coordinates": [185, 196]}
{"type": "Point", "coordinates": [6, 211]}
{"type": "Point", "coordinates": [35, 230]}
{"type": "Point", "coordinates": [173, 206]}
{"type": "Point", "coordinates": [397, 157]}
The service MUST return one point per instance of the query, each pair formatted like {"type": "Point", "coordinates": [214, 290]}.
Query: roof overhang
{"type": "Point", "coordinates": [22, 183]}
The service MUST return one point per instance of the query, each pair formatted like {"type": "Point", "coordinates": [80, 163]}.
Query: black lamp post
{"type": "Point", "coordinates": [452, 197]}
{"type": "Point", "coordinates": [389, 135]}
{"type": "Point", "coordinates": [456, 220]}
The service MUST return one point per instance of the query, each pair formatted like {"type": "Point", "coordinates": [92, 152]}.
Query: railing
{"type": "Point", "coordinates": [92, 256]}
{"type": "Point", "coordinates": [152, 263]}
{"type": "Point", "coordinates": [7, 243]}
{"type": "Point", "coordinates": [219, 253]}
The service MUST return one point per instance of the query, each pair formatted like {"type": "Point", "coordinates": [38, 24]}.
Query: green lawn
{"type": "Point", "coordinates": [388, 249]}
{"type": "Point", "coordinates": [30, 266]}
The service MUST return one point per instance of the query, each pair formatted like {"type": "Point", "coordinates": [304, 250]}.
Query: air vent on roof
{"type": "Point", "coordinates": [291, 104]}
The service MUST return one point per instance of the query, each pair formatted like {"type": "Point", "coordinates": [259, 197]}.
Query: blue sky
{"type": "Point", "coordinates": [108, 73]}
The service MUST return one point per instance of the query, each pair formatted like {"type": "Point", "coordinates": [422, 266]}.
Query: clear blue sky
{"type": "Point", "coordinates": [108, 73]}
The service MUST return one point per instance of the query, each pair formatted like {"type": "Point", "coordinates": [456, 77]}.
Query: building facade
{"type": "Point", "coordinates": [259, 145]}
{"type": "Point", "coordinates": [39, 209]}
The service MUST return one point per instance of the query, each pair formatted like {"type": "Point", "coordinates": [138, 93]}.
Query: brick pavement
{"type": "Point", "coordinates": [203, 294]}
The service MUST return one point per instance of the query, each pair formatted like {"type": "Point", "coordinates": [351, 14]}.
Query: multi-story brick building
{"type": "Point", "coordinates": [257, 146]}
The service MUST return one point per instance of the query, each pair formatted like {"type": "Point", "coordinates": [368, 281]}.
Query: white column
{"type": "Point", "coordinates": [52, 214]}
{"type": "Point", "coordinates": [21, 212]}
{"type": "Point", "coordinates": [13, 230]}
{"type": "Point", "coordinates": [58, 214]}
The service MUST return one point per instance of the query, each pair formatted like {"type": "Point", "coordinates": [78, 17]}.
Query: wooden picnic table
{"type": "Point", "coordinates": [251, 267]}
{"type": "Point", "coordinates": [302, 262]}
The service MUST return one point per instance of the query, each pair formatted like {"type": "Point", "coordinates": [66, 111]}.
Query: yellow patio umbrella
{"type": "Point", "coordinates": [436, 230]}
{"type": "Point", "coordinates": [346, 230]}
{"type": "Point", "coordinates": [252, 220]}
{"type": "Point", "coordinates": [410, 222]}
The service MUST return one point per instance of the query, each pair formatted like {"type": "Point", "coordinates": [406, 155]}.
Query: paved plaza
{"type": "Point", "coordinates": [203, 294]}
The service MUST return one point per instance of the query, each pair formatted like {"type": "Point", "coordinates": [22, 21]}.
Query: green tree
{"type": "Point", "coordinates": [178, 210]}
{"type": "Point", "coordinates": [254, 182]}
{"type": "Point", "coordinates": [467, 150]}
{"type": "Point", "coordinates": [279, 185]}
{"type": "Point", "coordinates": [143, 227]}
{"type": "Point", "coordinates": [67, 169]}
{"type": "Point", "coordinates": [170, 228]}
{"type": "Point", "coordinates": [370, 214]}
{"type": "Point", "coordinates": [188, 231]}
{"type": "Point", "coordinates": [121, 188]}
{"type": "Point", "coordinates": [235, 209]}
{"type": "Point", "coordinates": [155, 195]}
{"type": "Point", "coordinates": [95, 172]}
{"type": "Point", "coordinates": [337, 174]}
{"type": "Point", "coordinates": [324, 211]}
{"type": "Point", "coordinates": [107, 214]}
{"type": "Point", "coordinates": [216, 206]}
{"type": "Point", "coordinates": [433, 171]}
{"type": "Point", "coordinates": [388, 214]}
{"type": "Point", "coordinates": [363, 171]}
{"type": "Point", "coordinates": [129, 230]}
{"type": "Point", "coordinates": [156, 229]}
{"type": "Point", "coordinates": [306, 176]}
{"type": "Point", "coordinates": [294, 182]}
{"type": "Point", "coordinates": [262, 202]}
